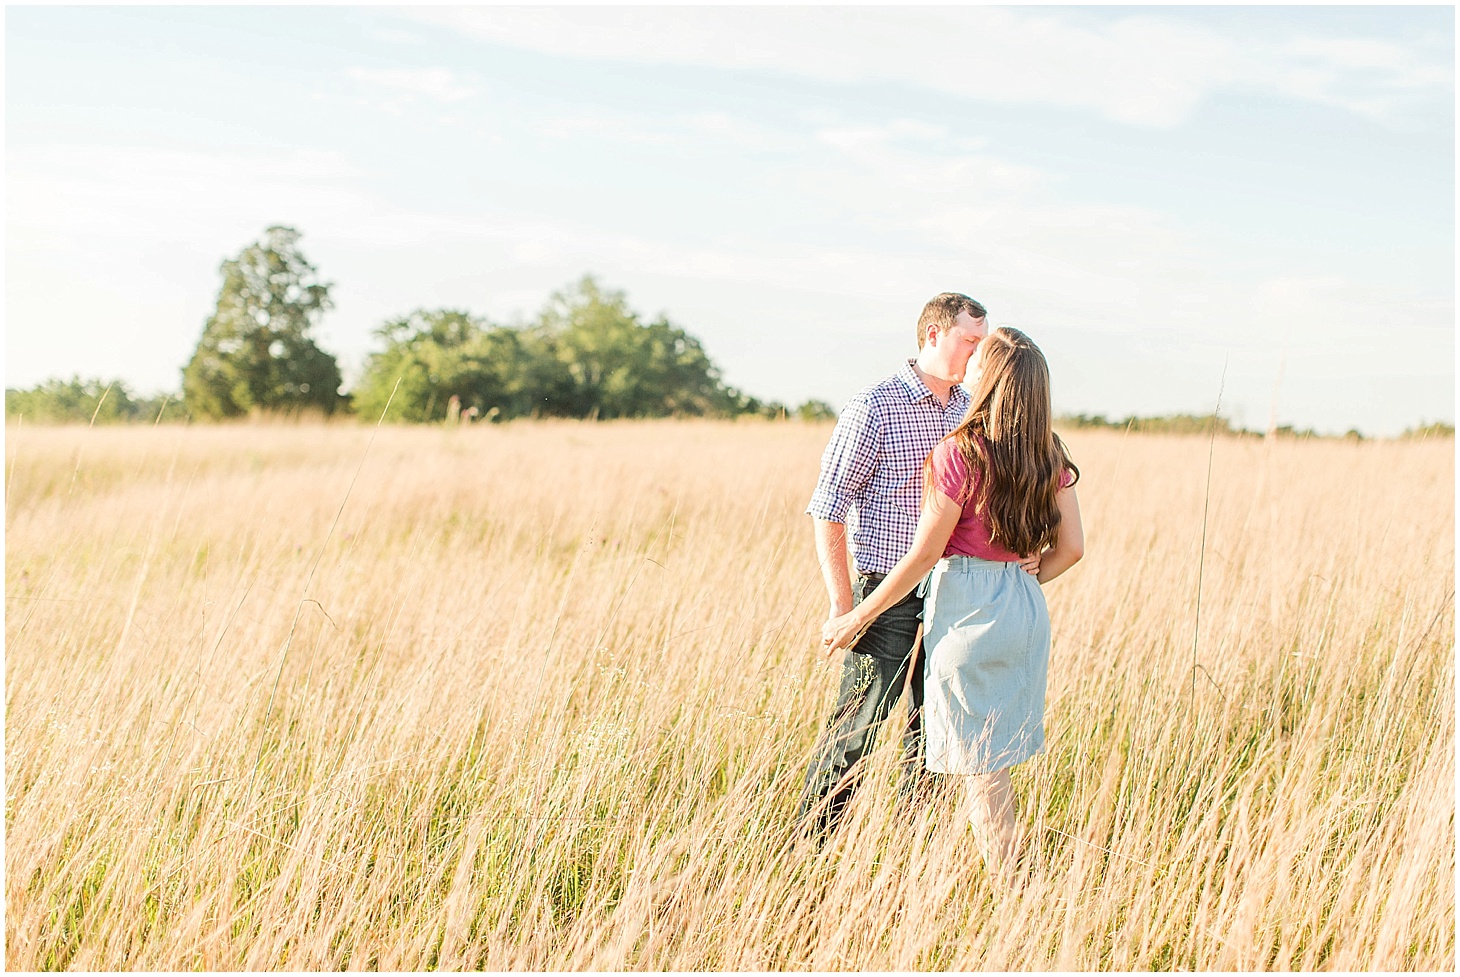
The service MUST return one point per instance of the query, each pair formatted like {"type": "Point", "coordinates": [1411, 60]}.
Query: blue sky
{"type": "Point", "coordinates": [1150, 192]}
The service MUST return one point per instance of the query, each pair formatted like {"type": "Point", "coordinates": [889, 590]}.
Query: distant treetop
{"type": "Point", "coordinates": [257, 353]}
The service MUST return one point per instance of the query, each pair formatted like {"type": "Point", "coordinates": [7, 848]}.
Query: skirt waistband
{"type": "Point", "coordinates": [959, 562]}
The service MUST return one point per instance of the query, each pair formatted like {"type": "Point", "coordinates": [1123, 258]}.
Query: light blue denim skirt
{"type": "Point", "coordinates": [986, 646]}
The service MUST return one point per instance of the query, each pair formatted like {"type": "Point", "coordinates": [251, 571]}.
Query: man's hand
{"type": "Point", "coordinates": [1030, 564]}
{"type": "Point", "coordinates": [840, 633]}
{"type": "Point", "coordinates": [836, 610]}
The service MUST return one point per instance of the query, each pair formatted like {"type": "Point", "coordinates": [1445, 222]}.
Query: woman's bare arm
{"type": "Point", "coordinates": [1069, 546]}
{"type": "Point", "coordinates": [935, 525]}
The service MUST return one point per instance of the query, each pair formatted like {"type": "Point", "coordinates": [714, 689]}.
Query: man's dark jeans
{"type": "Point", "coordinates": [873, 675]}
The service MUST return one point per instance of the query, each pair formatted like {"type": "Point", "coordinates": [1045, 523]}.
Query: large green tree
{"type": "Point", "coordinates": [443, 353]}
{"type": "Point", "coordinates": [587, 355]}
{"type": "Point", "coordinates": [622, 367]}
{"type": "Point", "coordinates": [257, 352]}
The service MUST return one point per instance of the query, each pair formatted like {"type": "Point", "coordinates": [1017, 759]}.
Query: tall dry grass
{"type": "Point", "coordinates": [541, 696]}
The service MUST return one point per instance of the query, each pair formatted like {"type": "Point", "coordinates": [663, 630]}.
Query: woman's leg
{"type": "Point", "coordinates": [991, 812]}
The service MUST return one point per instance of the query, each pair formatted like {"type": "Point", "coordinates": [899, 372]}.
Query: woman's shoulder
{"type": "Point", "coordinates": [949, 469]}
{"type": "Point", "coordinates": [947, 454]}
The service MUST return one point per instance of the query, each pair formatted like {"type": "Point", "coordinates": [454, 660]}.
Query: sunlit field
{"type": "Point", "coordinates": [541, 695]}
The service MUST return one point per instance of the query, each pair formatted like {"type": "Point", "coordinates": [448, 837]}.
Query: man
{"type": "Point", "coordinates": [873, 469]}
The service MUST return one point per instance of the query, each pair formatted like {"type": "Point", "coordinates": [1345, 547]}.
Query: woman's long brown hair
{"type": "Point", "coordinates": [1012, 453]}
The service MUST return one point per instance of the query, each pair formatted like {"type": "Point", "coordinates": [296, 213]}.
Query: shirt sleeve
{"type": "Point", "coordinates": [950, 471]}
{"type": "Point", "coordinates": [1067, 478]}
{"type": "Point", "coordinates": [847, 463]}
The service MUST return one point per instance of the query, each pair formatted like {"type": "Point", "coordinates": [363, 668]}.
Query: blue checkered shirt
{"type": "Point", "coordinates": [873, 468]}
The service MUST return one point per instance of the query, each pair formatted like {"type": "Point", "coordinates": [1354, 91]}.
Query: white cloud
{"type": "Point", "coordinates": [395, 36]}
{"type": "Point", "coordinates": [1000, 222]}
{"type": "Point", "coordinates": [1338, 322]}
{"type": "Point", "coordinates": [617, 128]}
{"type": "Point", "coordinates": [441, 84]}
{"type": "Point", "coordinates": [1138, 68]}
{"type": "Point", "coordinates": [681, 130]}
{"type": "Point", "coordinates": [1370, 77]}
{"type": "Point", "coordinates": [730, 130]}
{"type": "Point", "coordinates": [983, 53]}
{"type": "Point", "coordinates": [1350, 52]}
{"type": "Point", "coordinates": [858, 138]}
{"type": "Point", "coordinates": [87, 193]}
{"type": "Point", "coordinates": [1352, 354]}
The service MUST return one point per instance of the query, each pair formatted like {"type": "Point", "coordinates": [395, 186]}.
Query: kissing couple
{"type": "Point", "coordinates": [974, 486]}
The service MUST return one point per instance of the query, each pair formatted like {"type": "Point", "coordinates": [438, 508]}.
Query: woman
{"type": "Point", "coordinates": [999, 488]}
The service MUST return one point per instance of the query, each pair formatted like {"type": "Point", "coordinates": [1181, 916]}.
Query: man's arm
{"type": "Point", "coordinates": [831, 551]}
{"type": "Point", "coordinates": [846, 467]}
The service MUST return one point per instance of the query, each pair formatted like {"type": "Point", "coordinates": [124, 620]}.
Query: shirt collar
{"type": "Point", "coordinates": [917, 390]}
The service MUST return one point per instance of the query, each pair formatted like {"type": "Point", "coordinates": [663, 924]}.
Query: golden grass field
{"type": "Point", "coordinates": [541, 695]}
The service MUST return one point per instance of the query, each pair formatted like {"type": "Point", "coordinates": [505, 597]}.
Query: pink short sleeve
{"type": "Point", "coordinates": [950, 471]}
{"type": "Point", "coordinates": [1067, 478]}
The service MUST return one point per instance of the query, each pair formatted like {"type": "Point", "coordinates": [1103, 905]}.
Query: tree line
{"type": "Point", "coordinates": [586, 355]}
{"type": "Point", "coordinates": [1207, 423]}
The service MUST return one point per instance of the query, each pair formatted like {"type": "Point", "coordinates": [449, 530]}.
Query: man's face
{"type": "Point", "coordinates": [956, 345]}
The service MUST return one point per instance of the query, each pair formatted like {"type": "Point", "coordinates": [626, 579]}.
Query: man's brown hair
{"type": "Point", "coordinates": [942, 309]}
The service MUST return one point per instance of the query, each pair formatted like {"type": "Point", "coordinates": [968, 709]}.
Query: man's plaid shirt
{"type": "Point", "coordinates": [873, 468]}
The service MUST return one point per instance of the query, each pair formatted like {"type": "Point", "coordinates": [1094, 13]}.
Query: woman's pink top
{"type": "Point", "coordinates": [971, 537]}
